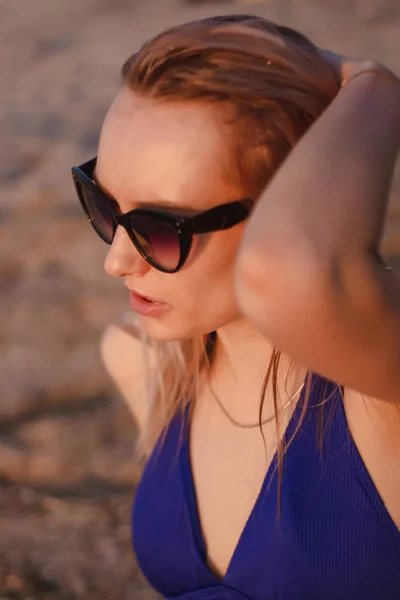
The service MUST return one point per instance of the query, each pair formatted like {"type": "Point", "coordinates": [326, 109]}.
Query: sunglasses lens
{"type": "Point", "coordinates": [158, 240]}
{"type": "Point", "coordinates": [98, 212]}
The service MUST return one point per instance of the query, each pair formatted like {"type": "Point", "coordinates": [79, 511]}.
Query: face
{"type": "Point", "coordinates": [177, 157]}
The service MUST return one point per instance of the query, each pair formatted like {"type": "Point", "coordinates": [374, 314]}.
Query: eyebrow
{"type": "Point", "coordinates": [160, 203]}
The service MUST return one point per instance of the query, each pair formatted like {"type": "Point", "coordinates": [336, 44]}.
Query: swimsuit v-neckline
{"type": "Point", "coordinates": [191, 496]}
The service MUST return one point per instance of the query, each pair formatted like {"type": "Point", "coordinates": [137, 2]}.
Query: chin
{"type": "Point", "coordinates": [165, 330]}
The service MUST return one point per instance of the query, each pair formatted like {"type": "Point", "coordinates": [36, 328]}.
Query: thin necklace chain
{"type": "Point", "coordinates": [251, 425]}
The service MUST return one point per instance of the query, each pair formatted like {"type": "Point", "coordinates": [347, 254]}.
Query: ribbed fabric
{"type": "Point", "coordinates": [335, 539]}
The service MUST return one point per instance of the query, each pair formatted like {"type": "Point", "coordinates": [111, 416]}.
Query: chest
{"type": "Point", "coordinates": [230, 469]}
{"type": "Point", "coordinates": [229, 472]}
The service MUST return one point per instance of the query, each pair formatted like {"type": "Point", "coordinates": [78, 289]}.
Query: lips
{"type": "Point", "coordinates": [148, 298]}
{"type": "Point", "coordinates": [146, 307]}
{"type": "Point", "coordinates": [143, 296]}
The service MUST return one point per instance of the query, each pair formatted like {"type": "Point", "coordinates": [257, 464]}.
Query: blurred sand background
{"type": "Point", "coordinates": [67, 477]}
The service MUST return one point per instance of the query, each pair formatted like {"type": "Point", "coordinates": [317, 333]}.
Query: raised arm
{"type": "Point", "coordinates": [308, 274]}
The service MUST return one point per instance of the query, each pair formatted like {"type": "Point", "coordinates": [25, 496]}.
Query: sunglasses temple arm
{"type": "Point", "coordinates": [218, 218]}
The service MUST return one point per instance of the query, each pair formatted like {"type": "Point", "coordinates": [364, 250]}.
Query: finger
{"type": "Point", "coordinates": [335, 61]}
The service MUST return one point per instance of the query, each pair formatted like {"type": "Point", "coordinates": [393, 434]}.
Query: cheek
{"type": "Point", "coordinates": [224, 248]}
{"type": "Point", "coordinates": [209, 272]}
{"type": "Point", "coordinates": [216, 251]}
{"type": "Point", "coordinates": [202, 294]}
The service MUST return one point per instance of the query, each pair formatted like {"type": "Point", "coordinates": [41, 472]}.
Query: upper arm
{"type": "Point", "coordinates": [338, 320]}
{"type": "Point", "coordinates": [122, 354]}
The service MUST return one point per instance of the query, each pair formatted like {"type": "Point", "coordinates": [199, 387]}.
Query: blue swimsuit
{"type": "Point", "coordinates": [335, 539]}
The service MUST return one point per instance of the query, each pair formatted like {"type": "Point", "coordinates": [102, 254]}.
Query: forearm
{"type": "Point", "coordinates": [330, 196]}
{"type": "Point", "coordinates": [306, 276]}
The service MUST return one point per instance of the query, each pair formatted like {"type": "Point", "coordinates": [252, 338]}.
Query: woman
{"type": "Point", "coordinates": [242, 179]}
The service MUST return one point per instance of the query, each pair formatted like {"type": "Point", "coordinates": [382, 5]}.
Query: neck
{"type": "Point", "coordinates": [241, 359]}
{"type": "Point", "coordinates": [242, 355]}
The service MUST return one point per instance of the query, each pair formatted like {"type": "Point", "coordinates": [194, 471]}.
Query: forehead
{"type": "Point", "coordinates": [153, 150]}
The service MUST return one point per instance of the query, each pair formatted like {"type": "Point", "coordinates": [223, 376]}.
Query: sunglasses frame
{"type": "Point", "coordinates": [218, 218]}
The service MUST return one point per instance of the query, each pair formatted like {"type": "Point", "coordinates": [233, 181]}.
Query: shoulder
{"type": "Point", "coordinates": [124, 356]}
{"type": "Point", "coordinates": [117, 343]}
{"type": "Point", "coordinates": [375, 431]}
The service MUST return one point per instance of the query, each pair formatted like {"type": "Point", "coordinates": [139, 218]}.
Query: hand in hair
{"type": "Point", "coordinates": [345, 68]}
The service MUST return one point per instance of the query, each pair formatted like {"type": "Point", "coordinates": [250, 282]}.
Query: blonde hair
{"type": "Point", "coordinates": [277, 83]}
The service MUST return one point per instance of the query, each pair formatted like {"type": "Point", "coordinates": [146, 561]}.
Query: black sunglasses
{"type": "Point", "coordinates": [163, 239]}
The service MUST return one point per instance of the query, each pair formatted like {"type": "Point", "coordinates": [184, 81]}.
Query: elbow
{"type": "Point", "coordinates": [259, 282]}
{"type": "Point", "coordinates": [270, 285]}
{"type": "Point", "coordinates": [250, 271]}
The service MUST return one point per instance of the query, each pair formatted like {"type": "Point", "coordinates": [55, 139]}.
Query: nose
{"type": "Point", "coordinates": [123, 258]}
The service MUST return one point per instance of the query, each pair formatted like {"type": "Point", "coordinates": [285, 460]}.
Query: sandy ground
{"type": "Point", "coordinates": [67, 477]}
